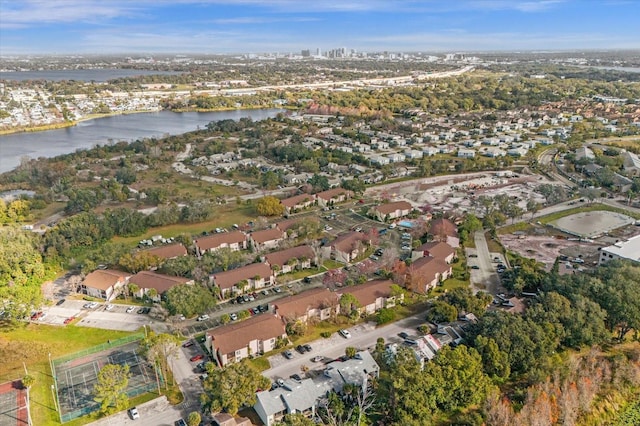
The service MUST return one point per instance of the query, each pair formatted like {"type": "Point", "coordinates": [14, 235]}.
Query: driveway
{"type": "Point", "coordinates": [153, 413]}
{"type": "Point", "coordinates": [486, 277]}
{"type": "Point", "coordinates": [363, 336]}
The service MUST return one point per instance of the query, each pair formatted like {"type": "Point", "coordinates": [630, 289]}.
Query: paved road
{"type": "Point", "coordinates": [363, 336]}
{"type": "Point", "coordinates": [486, 278]}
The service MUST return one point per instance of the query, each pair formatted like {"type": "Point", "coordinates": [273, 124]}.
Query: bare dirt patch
{"type": "Point", "coordinates": [545, 249]}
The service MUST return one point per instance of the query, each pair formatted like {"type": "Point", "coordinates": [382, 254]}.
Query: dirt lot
{"type": "Point", "coordinates": [546, 248]}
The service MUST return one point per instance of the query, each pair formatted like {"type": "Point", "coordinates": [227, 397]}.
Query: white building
{"type": "Point", "coordinates": [629, 250]}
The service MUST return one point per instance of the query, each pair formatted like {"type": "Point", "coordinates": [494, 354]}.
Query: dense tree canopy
{"type": "Point", "coordinates": [232, 388]}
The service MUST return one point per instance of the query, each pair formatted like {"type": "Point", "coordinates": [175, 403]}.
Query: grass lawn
{"type": "Point", "coordinates": [31, 344]}
{"type": "Point", "coordinates": [225, 216]}
{"type": "Point", "coordinates": [260, 363]}
{"type": "Point", "coordinates": [332, 264]}
{"type": "Point", "coordinates": [50, 209]}
{"type": "Point", "coordinates": [494, 246]}
{"type": "Point", "coordinates": [297, 275]}
{"type": "Point", "coordinates": [520, 226]}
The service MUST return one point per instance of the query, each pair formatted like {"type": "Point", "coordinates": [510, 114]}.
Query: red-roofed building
{"type": "Point", "coordinates": [333, 196]}
{"type": "Point", "coordinates": [298, 202]}
{"type": "Point", "coordinates": [446, 231]}
{"type": "Point", "coordinates": [104, 283]}
{"type": "Point", "coordinates": [147, 280]}
{"type": "Point", "coordinates": [252, 276]}
{"type": "Point", "coordinates": [318, 303]}
{"type": "Point", "coordinates": [347, 247]}
{"type": "Point", "coordinates": [170, 251]}
{"type": "Point", "coordinates": [285, 261]}
{"type": "Point", "coordinates": [391, 211]}
{"type": "Point", "coordinates": [235, 240]}
{"type": "Point", "coordinates": [425, 273]}
{"type": "Point", "coordinates": [266, 239]}
{"type": "Point", "coordinates": [234, 342]}
{"type": "Point", "coordinates": [436, 249]}
{"type": "Point", "coordinates": [373, 295]}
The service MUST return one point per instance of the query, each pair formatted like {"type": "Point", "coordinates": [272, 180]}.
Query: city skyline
{"type": "Point", "coordinates": [254, 26]}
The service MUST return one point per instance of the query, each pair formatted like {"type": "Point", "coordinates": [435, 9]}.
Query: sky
{"type": "Point", "coordinates": [288, 26]}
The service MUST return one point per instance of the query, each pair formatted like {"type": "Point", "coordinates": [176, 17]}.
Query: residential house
{"type": "Point", "coordinates": [333, 196]}
{"type": "Point", "coordinates": [425, 273]}
{"type": "Point", "coordinates": [430, 151]}
{"type": "Point", "coordinates": [347, 247]}
{"type": "Point", "coordinates": [235, 240]}
{"type": "Point", "coordinates": [298, 202]}
{"type": "Point", "coordinates": [304, 396]}
{"type": "Point", "coordinates": [631, 163]}
{"type": "Point", "coordinates": [373, 295]}
{"type": "Point", "coordinates": [289, 227]}
{"type": "Point", "coordinates": [252, 276]}
{"type": "Point", "coordinates": [437, 249]}
{"type": "Point", "coordinates": [379, 160]}
{"type": "Point", "coordinates": [254, 336]}
{"type": "Point", "coordinates": [103, 283]}
{"type": "Point", "coordinates": [395, 157]}
{"type": "Point", "coordinates": [585, 152]}
{"type": "Point", "coordinates": [160, 283]}
{"type": "Point", "coordinates": [224, 419]}
{"type": "Point", "coordinates": [170, 251]}
{"type": "Point", "coordinates": [285, 261]}
{"type": "Point", "coordinates": [466, 153]}
{"type": "Point", "coordinates": [317, 304]}
{"type": "Point", "coordinates": [390, 211]}
{"type": "Point", "coordinates": [446, 231]}
{"type": "Point", "coordinates": [266, 239]}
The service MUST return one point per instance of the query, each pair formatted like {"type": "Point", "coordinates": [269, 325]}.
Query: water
{"type": "Point", "coordinates": [102, 131]}
{"type": "Point", "coordinates": [97, 75]}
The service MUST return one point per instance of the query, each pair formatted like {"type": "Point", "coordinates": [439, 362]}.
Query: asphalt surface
{"type": "Point", "coordinates": [363, 336]}
{"type": "Point", "coordinates": [486, 278]}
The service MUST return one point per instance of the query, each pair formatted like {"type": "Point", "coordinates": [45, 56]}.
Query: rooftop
{"type": "Point", "coordinates": [369, 292]}
{"type": "Point", "coordinates": [102, 279]}
{"type": "Point", "coordinates": [232, 337]}
{"type": "Point", "coordinates": [228, 279]}
{"type": "Point", "coordinates": [297, 305]}
{"type": "Point", "coordinates": [629, 249]}
{"type": "Point", "coordinates": [160, 282]}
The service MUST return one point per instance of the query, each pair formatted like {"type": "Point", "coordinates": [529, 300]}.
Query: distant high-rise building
{"type": "Point", "coordinates": [318, 52]}
{"type": "Point", "coordinates": [306, 53]}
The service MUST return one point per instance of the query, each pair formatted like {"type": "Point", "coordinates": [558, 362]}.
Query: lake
{"type": "Point", "coordinates": [97, 75]}
{"type": "Point", "coordinates": [102, 131]}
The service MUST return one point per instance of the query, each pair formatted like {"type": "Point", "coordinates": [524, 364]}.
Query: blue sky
{"type": "Point", "coordinates": [242, 26]}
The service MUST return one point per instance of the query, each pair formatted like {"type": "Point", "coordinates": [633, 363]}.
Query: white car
{"type": "Point", "coordinates": [345, 334]}
{"type": "Point", "coordinates": [203, 317]}
{"type": "Point", "coordinates": [233, 316]}
{"type": "Point", "coordinates": [133, 412]}
{"type": "Point", "coordinates": [131, 309]}
{"type": "Point", "coordinates": [108, 307]}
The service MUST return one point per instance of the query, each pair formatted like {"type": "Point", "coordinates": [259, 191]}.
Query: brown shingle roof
{"type": "Point", "coordinates": [229, 338]}
{"type": "Point", "coordinates": [265, 235]}
{"type": "Point", "coordinates": [298, 305]}
{"type": "Point", "coordinates": [437, 249]}
{"type": "Point", "coordinates": [216, 240]}
{"type": "Point", "coordinates": [367, 293]}
{"type": "Point", "coordinates": [332, 193]}
{"type": "Point", "coordinates": [393, 207]}
{"type": "Point", "coordinates": [281, 257]}
{"type": "Point", "coordinates": [428, 267]}
{"type": "Point", "coordinates": [102, 279]}
{"type": "Point", "coordinates": [346, 243]}
{"type": "Point", "coordinates": [296, 200]}
{"type": "Point", "coordinates": [285, 225]}
{"type": "Point", "coordinates": [161, 282]}
{"type": "Point", "coordinates": [169, 251]}
{"type": "Point", "coordinates": [228, 279]}
{"type": "Point", "coordinates": [443, 227]}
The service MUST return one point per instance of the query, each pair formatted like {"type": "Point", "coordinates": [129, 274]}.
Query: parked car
{"type": "Point", "coordinates": [296, 377]}
{"type": "Point", "coordinates": [317, 358]}
{"type": "Point", "coordinates": [196, 358]}
{"type": "Point", "coordinates": [403, 335]}
{"type": "Point", "coordinates": [203, 317]}
{"type": "Point", "coordinates": [300, 349]}
{"type": "Point", "coordinates": [188, 343]}
{"type": "Point", "coordinates": [406, 247]}
{"type": "Point", "coordinates": [287, 354]}
{"type": "Point", "coordinates": [180, 422]}
{"type": "Point", "coordinates": [60, 302]}
{"type": "Point", "coordinates": [473, 255]}
{"type": "Point", "coordinates": [133, 413]}
{"type": "Point", "coordinates": [306, 280]}
{"type": "Point", "coordinates": [109, 307]}
{"type": "Point", "coordinates": [475, 267]}
{"type": "Point", "coordinates": [345, 333]}
{"type": "Point", "coordinates": [233, 316]}
{"type": "Point", "coordinates": [36, 315]}
{"type": "Point", "coordinates": [68, 320]}
{"type": "Point", "coordinates": [307, 347]}
{"type": "Point", "coordinates": [265, 292]}
{"type": "Point", "coordinates": [130, 309]}
{"type": "Point", "coordinates": [277, 289]}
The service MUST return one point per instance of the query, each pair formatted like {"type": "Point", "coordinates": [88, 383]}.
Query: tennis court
{"type": "Point", "coordinates": [13, 404]}
{"type": "Point", "coordinates": [75, 378]}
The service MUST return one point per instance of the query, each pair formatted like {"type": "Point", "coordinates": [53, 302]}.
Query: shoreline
{"type": "Point", "coordinates": [63, 125]}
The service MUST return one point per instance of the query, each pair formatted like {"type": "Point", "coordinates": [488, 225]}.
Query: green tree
{"type": "Point", "coordinates": [385, 315]}
{"type": "Point", "coordinates": [188, 299]}
{"type": "Point", "coordinates": [269, 206]}
{"type": "Point", "coordinates": [159, 349]}
{"type": "Point", "coordinates": [233, 387]}
{"type": "Point", "coordinates": [296, 419]}
{"type": "Point", "coordinates": [495, 362]}
{"type": "Point", "coordinates": [350, 352]}
{"type": "Point", "coordinates": [194, 419]}
{"type": "Point", "coordinates": [348, 304]}
{"type": "Point", "coordinates": [110, 390]}
{"type": "Point", "coordinates": [442, 312]}
{"type": "Point", "coordinates": [28, 381]}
